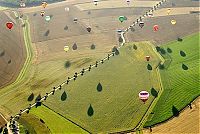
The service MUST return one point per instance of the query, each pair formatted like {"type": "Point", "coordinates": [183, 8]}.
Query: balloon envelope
{"type": "Point", "coordinates": [9, 25]}
{"type": "Point", "coordinates": [173, 22]}
{"type": "Point", "coordinates": [141, 24]}
{"type": "Point", "coordinates": [155, 27]}
{"type": "Point", "coordinates": [144, 95]}
{"type": "Point", "coordinates": [44, 4]}
{"type": "Point", "coordinates": [147, 58]}
{"type": "Point", "coordinates": [122, 18]}
{"type": "Point", "coordinates": [47, 18]}
{"type": "Point", "coordinates": [42, 13]}
{"type": "Point", "coordinates": [66, 48]}
{"type": "Point", "coordinates": [89, 29]}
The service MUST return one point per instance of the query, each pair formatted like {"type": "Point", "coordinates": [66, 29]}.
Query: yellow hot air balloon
{"type": "Point", "coordinates": [168, 11]}
{"type": "Point", "coordinates": [173, 22]}
{"type": "Point", "coordinates": [44, 4]}
{"type": "Point", "coordinates": [66, 48]}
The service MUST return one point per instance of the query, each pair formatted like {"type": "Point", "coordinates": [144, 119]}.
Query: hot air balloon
{"type": "Point", "coordinates": [75, 20]}
{"type": "Point", "coordinates": [173, 22]}
{"type": "Point", "coordinates": [147, 58]}
{"type": "Point", "coordinates": [155, 27]}
{"type": "Point", "coordinates": [44, 4]}
{"type": "Point", "coordinates": [66, 48]}
{"type": "Point", "coordinates": [128, 2]}
{"type": "Point", "coordinates": [122, 18]}
{"type": "Point", "coordinates": [9, 25]}
{"type": "Point", "coordinates": [67, 9]}
{"type": "Point", "coordinates": [168, 11]}
{"type": "Point", "coordinates": [144, 95]}
{"type": "Point", "coordinates": [47, 18]}
{"type": "Point", "coordinates": [141, 24]}
{"type": "Point", "coordinates": [42, 13]}
{"type": "Point", "coordinates": [95, 2]}
{"type": "Point", "coordinates": [89, 29]}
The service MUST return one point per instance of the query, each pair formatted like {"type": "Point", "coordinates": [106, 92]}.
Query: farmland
{"type": "Point", "coordinates": [116, 106]}
{"type": "Point", "coordinates": [180, 78]}
{"type": "Point", "coordinates": [121, 81]}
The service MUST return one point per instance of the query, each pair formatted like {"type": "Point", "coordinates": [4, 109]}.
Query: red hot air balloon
{"type": "Point", "coordinates": [147, 58]}
{"type": "Point", "coordinates": [144, 95]}
{"type": "Point", "coordinates": [155, 27]}
{"type": "Point", "coordinates": [9, 25]}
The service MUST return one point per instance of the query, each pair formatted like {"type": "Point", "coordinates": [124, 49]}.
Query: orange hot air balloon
{"type": "Point", "coordinates": [147, 58]}
{"type": "Point", "coordinates": [9, 25]}
{"type": "Point", "coordinates": [44, 4]}
{"type": "Point", "coordinates": [155, 27]}
{"type": "Point", "coordinates": [144, 96]}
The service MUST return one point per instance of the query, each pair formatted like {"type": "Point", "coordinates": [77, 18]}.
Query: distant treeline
{"type": "Point", "coordinates": [29, 3]}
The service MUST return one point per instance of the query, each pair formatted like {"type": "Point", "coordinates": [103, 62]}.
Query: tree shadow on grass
{"type": "Point", "coordinates": [149, 67]}
{"type": "Point", "coordinates": [64, 96]}
{"type": "Point", "coordinates": [154, 92]}
{"type": "Point", "coordinates": [90, 111]}
{"type": "Point", "coordinates": [99, 87]}
{"type": "Point", "coordinates": [31, 97]}
{"type": "Point", "coordinates": [183, 54]}
{"type": "Point", "coordinates": [169, 50]}
{"type": "Point", "coordinates": [47, 33]}
{"type": "Point", "coordinates": [175, 111]}
{"type": "Point", "coordinates": [38, 98]}
{"type": "Point", "coordinates": [184, 67]}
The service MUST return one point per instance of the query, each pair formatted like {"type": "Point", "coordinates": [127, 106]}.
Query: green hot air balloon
{"type": "Point", "coordinates": [122, 18]}
{"type": "Point", "coordinates": [47, 18]}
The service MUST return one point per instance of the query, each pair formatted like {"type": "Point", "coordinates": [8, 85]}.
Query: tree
{"type": "Point", "coordinates": [114, 49]}
{"type": "Point", "coordinates": [92, 47]}
{"type": "Point", "coordinates": [162, 51]}
{"type": "Point", "coordinates": [154, 92]}
{"type": "Point", "coordinates": [117, 52]}
{"type": "Point", "coordinates": [75, 47]}
{"type": "Point", "coordinates": [182, 53]}
{"type": "Point", "coordinates": [184, 67]}
{"type": "Point", "coordinates": [158, 48]}
{"type": "Point", "coordinates": [179, 39]}
{"type": "Point", "coordinates": [175, 111]}
{"type": "Point", "coordinates": [67, 64]}
{"type": "Point", "coordinates": [149, 67]}
{"type": "Point", "coordinates": [161, 66]}
{"type": "Point", "coordinates": [169, 50]}
{"type": "Point", "coordinates": [38, 98]}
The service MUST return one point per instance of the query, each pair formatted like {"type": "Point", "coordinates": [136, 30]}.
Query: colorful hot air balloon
{"type": "Point", "coordinates": [44, 4]}
{"type": "Point", "coordinates": [155, 27]}
{"type": "Point", "coordinates": [128, 2]}
{"type": "Point", "coordinates": [144, 95]}
{"type": "Point", "coordinates": [95, 2]}
{"type": "Point", "coordinates": [89, 29]}
{"type": "Point", "coordinates": [75, 20]}
{"type": "Point", "coordinates": [147, 58]}
{"type": "Point", "coordinates": [173, 22]}
{"type": "Point", "coordinates": [9, 25]}
{"type": "Point", "coordinates": [48, 18]}
{"type": "Point", "coordinates": [141, 24]}
{"type": "Point", "coordinates": [168, 11]}
{"type": "Point", "coordinates": [122, 18]}
{"type": "Point", "coordinates": [66, 48]}
{"type": "Point", "coordinates": [42, 13]}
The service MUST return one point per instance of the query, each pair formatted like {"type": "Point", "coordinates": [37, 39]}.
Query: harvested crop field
{"type": "Point", "coordinates": [187, 122]}
{"type": "Point", "coordinates": [12, 52]}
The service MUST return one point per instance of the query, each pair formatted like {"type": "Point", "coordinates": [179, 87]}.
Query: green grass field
{"type": "Point", "coordinates": [180, 86]}
{"type": "Point", "coordinates": [117, 107]}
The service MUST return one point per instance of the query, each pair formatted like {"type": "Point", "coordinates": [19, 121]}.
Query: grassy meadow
{"type": "Point", "coordinates": [115, 105]}
{"type": "Point", "coordinates": [180, 79]}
